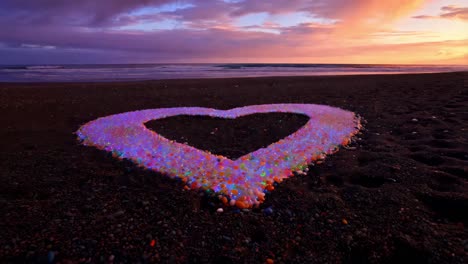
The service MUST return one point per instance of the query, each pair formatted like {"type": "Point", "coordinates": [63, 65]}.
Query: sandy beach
{"type": "Point", "coordinates": [398, 193]}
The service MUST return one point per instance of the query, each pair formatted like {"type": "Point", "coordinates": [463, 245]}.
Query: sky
{"type": "Point", "coordinates": [204, 31]}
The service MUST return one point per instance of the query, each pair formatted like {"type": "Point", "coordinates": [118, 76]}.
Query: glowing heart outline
{"type": "Point", "coordinates": [242, 180]}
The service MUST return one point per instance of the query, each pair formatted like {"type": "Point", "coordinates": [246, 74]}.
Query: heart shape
{"type": "Point", "coordinates": [244, 180]}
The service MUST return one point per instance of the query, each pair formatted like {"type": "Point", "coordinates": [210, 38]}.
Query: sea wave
{"type": "Point", "coordinates": [44, 67]}
{"type": "Point", "coordinates": [131, 72]}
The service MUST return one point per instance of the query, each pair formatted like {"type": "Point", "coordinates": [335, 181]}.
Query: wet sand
{"type": "Point", "coordinates": [398, 193]}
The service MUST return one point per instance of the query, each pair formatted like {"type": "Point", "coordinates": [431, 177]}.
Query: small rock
{"type": "Point", "coordinates": [220, 210]}
{"type": "Point", "coordinates": [414, 120]}
{"type": "Point", "coordinates": [268, 211]}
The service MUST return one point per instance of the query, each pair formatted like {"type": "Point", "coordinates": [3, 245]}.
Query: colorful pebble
{"type": "Point", "coordinates": [243, 180]}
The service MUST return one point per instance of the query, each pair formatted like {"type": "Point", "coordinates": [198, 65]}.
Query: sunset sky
{"type": "Point", "coordinates": [291, 31]}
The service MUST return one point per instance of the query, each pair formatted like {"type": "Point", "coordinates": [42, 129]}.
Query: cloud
{"type": "Point", "coordinates": [425, 16]}
{"type": "Point", "coordinates": [309, 41]}
{"type": "Point", "coordinates": [105, 12]}
{"type": "Point", "coordinates": [455, 12]}
{"type": "Point", "coordinates": [449, 12]}
{"type": "Point", "coordinates": [196, 30]}
{"type": "Point", "coordinates": [70, 12]}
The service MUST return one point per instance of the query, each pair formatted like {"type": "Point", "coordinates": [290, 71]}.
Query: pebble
{"type": "Point", "coordinates": [111, 258]}
{"type": "Point", "coordinates": [220, 210]}
{"type": "Point", "coordinates": [268, 211]}
{"type": "Point", "coordinates": [414, 120]}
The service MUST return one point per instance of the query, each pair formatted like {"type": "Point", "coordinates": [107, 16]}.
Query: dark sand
{"type": "Point", "coordinates": [399, 193]}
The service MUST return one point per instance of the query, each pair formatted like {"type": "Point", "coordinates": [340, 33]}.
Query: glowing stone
{"type": "Point", "coordinates": [243, 180]}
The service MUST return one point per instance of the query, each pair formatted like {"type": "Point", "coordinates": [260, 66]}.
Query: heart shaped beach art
{"type": "Point", "coordinates": [241, 182]}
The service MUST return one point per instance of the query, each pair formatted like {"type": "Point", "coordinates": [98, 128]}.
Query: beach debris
{"type": "Point", "coordinates": [344, 221]}
{"type": "Point", "coordinates": [270, 261]}
{"type": "Point", "coordinates": [244, 181]}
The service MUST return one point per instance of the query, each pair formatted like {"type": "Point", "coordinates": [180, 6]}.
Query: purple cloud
{"type": "Point", "coordinates": [70, 12]}
{"type": "Point", "coordinates": [449, 12]}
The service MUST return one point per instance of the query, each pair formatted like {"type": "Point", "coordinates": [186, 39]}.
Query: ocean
{"type": "Point", "coordinates": [134, 72]}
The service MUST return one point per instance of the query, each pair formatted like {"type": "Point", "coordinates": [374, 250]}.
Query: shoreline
{"type": "Point", "coordinates": [400, 193]}
{"type": "Point", "coordinates": [81, 74]}
{"type": "Point", "coordinates": [72, 83]}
